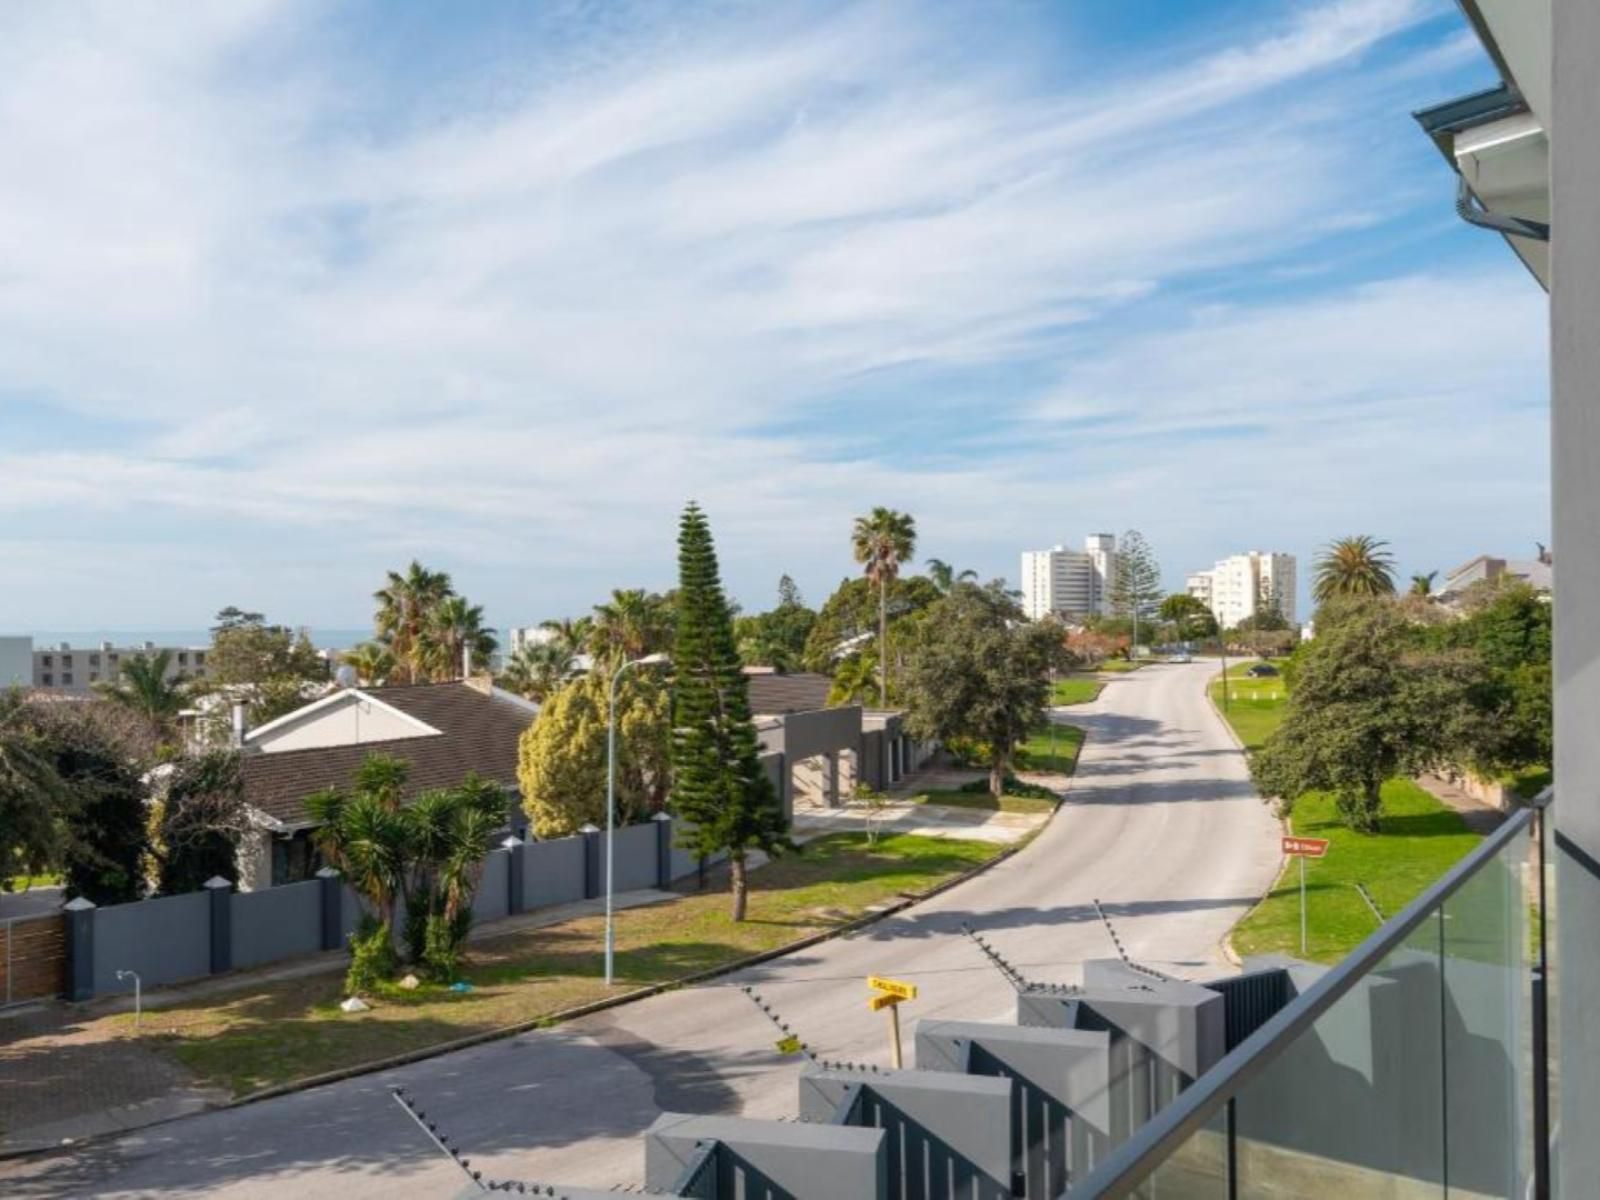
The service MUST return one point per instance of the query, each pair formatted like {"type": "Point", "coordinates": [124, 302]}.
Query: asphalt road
{"type": "Point", "coordinates": [1161, 825]}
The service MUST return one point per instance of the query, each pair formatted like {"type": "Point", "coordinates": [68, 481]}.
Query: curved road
{"type": "Point", "coordinates": [1160, 824]}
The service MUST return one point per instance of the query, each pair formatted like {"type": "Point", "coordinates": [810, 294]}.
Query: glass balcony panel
{"type": "Point", "coordinates": [1353, 1106]}
{"type": "Point", "coordinates": [1488, 1030]}
{"type": "Point", "coordinates": [1196, 1170]}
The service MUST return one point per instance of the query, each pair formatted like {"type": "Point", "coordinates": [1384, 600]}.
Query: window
{"type": "Point", "coordinates": [199, 658]}
{"type": "Point", "coordinates": [48, 660]}
{"type": "Point", "coordinates": [94, 660]}
{"type": "Point", "coordinates": [183, 658]}
{"type": "Point", "coordinates": [94, 676]}
{"type": "Point", "coordinates": [66, 679]}
{"type": "Point", "coordinates": [48, 679]}
{"type": "Point", "coordinates": [66, 662]}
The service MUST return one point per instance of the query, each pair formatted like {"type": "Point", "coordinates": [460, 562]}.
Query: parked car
{"type": "Point", "coordinates": [1261, 670]}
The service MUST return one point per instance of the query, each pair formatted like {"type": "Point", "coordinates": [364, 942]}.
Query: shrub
{"type": "Point", "coordinates": [441, 956]}
{"type": "Point", "coordinates": [969, 752]}
{"type": "Point", "coordinates": [1013, 787]}
{"type": "Point", "coordinates": [372, 956]}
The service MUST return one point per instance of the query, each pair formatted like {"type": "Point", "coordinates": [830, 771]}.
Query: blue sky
{"type": "Point", "coordinates": [292, 292]}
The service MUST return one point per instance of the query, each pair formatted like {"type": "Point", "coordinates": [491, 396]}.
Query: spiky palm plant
{"type": "Point", "coordinates": [143, 687]}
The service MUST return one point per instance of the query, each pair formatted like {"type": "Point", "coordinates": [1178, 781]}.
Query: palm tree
{"type": "Point", "coordinates": [405, 603]}
{"type": "Point", "coordinates": [143, 687]}
{"type": "Point", "coordinates": [1422, 585]}
{"type": "Point", "coordinates": [854, 680]}
{"type": "Point", "coordinates": [573, 633]}
{"type": "Point", "coordinates": [882, 541]}
{"type": "Point", "coordinates": [1354, 566]}
{"type": "Point", "coordinates": [945, 576]}
{"type": "Point", "coordinates": [538, 669]}
{"type": "Point", "coordinates": [455, 627]}
{"type": "Point", "coordinates": [630, 625]}
{"type": "Point", "coordinates": [372, 662]}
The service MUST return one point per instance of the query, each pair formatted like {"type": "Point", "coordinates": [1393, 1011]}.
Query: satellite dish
{"type": "Point", "coordinates": [346, 676]}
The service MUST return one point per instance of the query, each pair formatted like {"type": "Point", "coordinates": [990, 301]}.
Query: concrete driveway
{"type": "Point", "coordinates": [1161, 825]}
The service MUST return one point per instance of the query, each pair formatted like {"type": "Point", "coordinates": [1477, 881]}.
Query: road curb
{"type": "Point", "coordinates": [556, 1018]}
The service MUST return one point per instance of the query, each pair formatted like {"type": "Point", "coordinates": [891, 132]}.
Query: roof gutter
{"type": "Point", "coordinates": [1473, 213]}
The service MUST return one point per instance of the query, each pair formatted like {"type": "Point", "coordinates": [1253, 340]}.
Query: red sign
{"type": "Point", "coordinates": [1299, 847]}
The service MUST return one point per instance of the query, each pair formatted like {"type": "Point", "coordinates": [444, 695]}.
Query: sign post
{"type": "Point", "coordinates": [888, 993]}
{"type": "Point", "coordinates": [1304, 848]}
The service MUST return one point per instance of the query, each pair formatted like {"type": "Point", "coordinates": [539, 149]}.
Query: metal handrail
{"type": "Point", "coordinates": [1131, 1162]}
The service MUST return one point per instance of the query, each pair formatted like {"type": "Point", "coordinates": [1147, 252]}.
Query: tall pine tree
{"type": "Point", "coordinates": [719, 789]}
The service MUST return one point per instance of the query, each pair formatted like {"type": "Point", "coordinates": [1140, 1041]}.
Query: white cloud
{"type": "Point", "coordinates": [516, 336]}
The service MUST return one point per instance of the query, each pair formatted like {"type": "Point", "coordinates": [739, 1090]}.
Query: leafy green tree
{"type": "Point", "coordinates": [561, 757]}
{"type": "Point", "coordinates": [849, 617]}
{"type": "Point", "coordinates": [776, 638]}
{"type": "Point", "coordinates": [447, 833]}
{"type": "Point", "coordinates": [1191, 619]}
{"type": "Point", "coordinates": [1353, 566]}
{"type": "Point", "coordinates": [978, 670]}
{"type": "Point", "coordinates": [720, 789]}
{"type": "Point", "coordinates": [269, 668]}
{"type": "Point", "coordinates": [1367, 705]}
{"type": "Point", "coordinates": [200, 818]}
{"type": "Point", "coordinates": [882, 541]}
{"type": "Point", "coordinates": [143, 687]}
{"type": "Point", "coordinates": [33, 798]}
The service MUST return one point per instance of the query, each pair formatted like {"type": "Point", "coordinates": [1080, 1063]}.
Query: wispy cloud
{"type": "Point", "coordinates": [512, 332]}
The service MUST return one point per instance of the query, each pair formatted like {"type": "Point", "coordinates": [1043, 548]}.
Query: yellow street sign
{"type": "Point", "coordinates": [900, 991]}
{"type": "Point", "coordinates": [882, 1000]}
{"type": "Point", "coordinates": [789, 1045]}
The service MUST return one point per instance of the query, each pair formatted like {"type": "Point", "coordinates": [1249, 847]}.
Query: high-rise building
{"type": "Point", "coordinates": [1244, 584]}
{"type": "Point", "coordinates": [1070, 583]}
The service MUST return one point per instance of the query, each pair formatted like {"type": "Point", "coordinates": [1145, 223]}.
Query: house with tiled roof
{"type": "Point", "coordinates": [440, 730]}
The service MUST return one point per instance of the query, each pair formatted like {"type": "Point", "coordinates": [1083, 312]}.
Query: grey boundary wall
{"type": "Point", "coordinates": [175, 938]}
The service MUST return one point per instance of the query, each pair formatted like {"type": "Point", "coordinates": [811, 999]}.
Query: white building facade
{"type": "Point", "coordinates": [68, 668]}
{"type": "Point", "coordinates": [1242, 585]}
{"type": "Point", "coordinates": [1070, 583]}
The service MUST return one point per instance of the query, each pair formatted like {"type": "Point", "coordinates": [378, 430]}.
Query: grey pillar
{"type": "Point", "coordinates": [1575, 438]}
{"type": "Point", "coordinates": [832, 757]}
{"type": "Point", "coordinates": [79, 916]}
{"type": "Point", "coordinates": [221, 891]}
{"type": "Point", "coordinates": [663, 822]}
{"type": "Point", "coordinates": [516, 885]}
{"type": "Point", "coordinates": [332, 908]}
{"type": "Point", "coordinates": [591, 861]}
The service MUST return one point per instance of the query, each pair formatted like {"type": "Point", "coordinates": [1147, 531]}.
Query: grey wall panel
{"type": "Point", "coordinates": [635, 857]}
{"type": "Point", "coordinates": [821, 732]}
{"type": "Point", "coordinates": [349, 912]}
{"type": "Point", "coordinates": [554, 871]}
{"type": "Point", "coordinates": [163, 940]}
{"type": "Point", "coordinates": [492, 899]}
{"type": "Point", "coordinates": [275, 923]}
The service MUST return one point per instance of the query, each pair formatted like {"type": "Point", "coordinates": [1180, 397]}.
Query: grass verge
{"type": "Point", "coordinates": [985, 802]}
{"type": "Point", "coordinates": [292, 1029]}
{"type": "Point", "coordinates": [1118, 666]}
{"type": "Point", "coordinates": [1420, 839]}
{"type": "Point", "coordinates": [1254, 707]}
{"type": "Point", "coordinates": [1052, 749]}
{"type": "Point", "coordinates": [1077, 689]}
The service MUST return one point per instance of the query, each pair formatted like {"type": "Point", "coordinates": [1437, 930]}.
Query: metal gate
{"type": "Point", "coordinates": [33, 958]}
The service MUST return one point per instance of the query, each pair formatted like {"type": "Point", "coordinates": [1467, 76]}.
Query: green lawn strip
{"type": "Point", "coordinates": [1078, 689]}
{"type": "Point", "coordinates": [1255, 707]}
{"type": "Point", "coordinates": [983, 800]}
{"type": "Point", "coordinates": [21, 883]}
{"type": "Point", "coordinates": [1118, 666]}
{"type": "Point", "coordinates": [292, 1029]}
{"type": "Point", "coordinates": [1420, 840]}
{"type": "Point", "coordinates": [1052, 749]}
{"type": "Point", "coordinates": [1529, 781]}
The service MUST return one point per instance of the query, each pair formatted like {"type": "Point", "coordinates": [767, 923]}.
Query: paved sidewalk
{"type": "Point", "coordinates": [1480, 817]}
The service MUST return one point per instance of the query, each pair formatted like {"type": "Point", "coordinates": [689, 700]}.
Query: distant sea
{"type": "Point", "coordinates": [81, 639]}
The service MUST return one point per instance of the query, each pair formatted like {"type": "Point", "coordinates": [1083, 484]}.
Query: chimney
{"type": "Point", "coordinates": [238, 724]}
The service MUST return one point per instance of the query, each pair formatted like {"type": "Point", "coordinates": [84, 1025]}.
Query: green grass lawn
{"type": "Point", "coordinates": [21, 883]}
{"type": "Point", "coordinates": [1118, 666]}
{"type": "Point", "coordinates": [1079, 689]}
{"type": "Point", "coordinates": [1420, 839]}
{"type": "Point", "coordinates": [984, 801]}
{"type": "Point", "coordinates": [274, 1032]}
{"type": "Point", "coordinates": [1052, 749]}
{"type": "Point", "coordinates": [1529, 781]}
{"type": "Point", "coordinates": [1255, 707]}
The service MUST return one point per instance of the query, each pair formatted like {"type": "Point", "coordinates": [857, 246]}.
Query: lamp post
{"type": "Point", "coordinates": [649, 660]}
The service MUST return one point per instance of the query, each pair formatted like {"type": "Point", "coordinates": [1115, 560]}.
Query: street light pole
{"type": "Point", "coordinates": [611, 802]}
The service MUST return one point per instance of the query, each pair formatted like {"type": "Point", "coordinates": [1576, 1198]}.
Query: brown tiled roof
{"type": "Point", "coordinates": [477, 733]}
{"type": "Point", "coordinates": [772, 693]}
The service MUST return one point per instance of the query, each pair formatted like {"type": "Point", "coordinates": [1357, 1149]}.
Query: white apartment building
{"type": "Point", "coordinates": [1070, 583]}
{"type": "Point", "coordinates": [68, 668]}
{"type": "Point", "coordinates": [1243, 584]}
